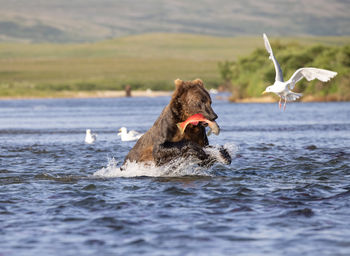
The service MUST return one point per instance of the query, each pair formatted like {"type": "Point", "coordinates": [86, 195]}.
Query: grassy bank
{"type": "Point", "coordinates": [144, 61]}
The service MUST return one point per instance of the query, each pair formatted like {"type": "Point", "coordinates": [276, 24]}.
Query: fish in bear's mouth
{"type": "Point", "coordinates": [199, 119]}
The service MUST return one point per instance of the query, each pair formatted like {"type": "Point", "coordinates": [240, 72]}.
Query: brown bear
{"type": "Point", "coordinates": [164, 142]}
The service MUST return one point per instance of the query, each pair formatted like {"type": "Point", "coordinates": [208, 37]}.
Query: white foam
{"type": "Point", "coordinates": [177, 168]}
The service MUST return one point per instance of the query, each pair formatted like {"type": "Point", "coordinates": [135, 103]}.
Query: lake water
{"type": "Point", "coordinates": [286, 192]}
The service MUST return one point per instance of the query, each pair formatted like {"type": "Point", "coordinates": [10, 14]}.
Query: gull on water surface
{"type": "Point", "coordinates": [90, 137]}
{"type": "Point", "coordinates": [129, 136]}
{"type": "Point", "coordinates": [283, 89]}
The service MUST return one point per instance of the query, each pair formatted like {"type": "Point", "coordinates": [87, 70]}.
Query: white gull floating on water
{"type": "Point", "coordinates": [90, 137]}
{"type": "Point", "coordinates": [129, 136]}
{"type": "Point", "coordinates": [283, 89]}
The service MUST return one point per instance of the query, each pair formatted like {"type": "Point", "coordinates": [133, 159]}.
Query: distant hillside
{"type": "Point", "coordinates": [92, 20]}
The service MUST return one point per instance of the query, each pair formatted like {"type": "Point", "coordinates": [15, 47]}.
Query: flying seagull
{"type": "Point", "coordinates": [283, 89]}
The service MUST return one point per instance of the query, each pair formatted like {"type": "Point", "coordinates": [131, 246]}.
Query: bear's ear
{"type": "Point", "coordinates": [175, 102]}
{"type": "Point", "coordinates": [179, 88]}
{"type": "Point", "coordinates": [198, 81]}
{"type": "Point", "coordinates": [178, 82]}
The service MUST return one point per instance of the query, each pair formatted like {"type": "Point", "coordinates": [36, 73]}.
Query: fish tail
{"type": "Point", "coordinates": [209, 132]}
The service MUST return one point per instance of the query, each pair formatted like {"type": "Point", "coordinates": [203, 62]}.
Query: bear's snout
{"type": "Point", "coordinates": [211, 115]}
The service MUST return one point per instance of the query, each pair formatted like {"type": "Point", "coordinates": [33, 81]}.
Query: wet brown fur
{"type": "Point", "coordinates": [164, 142]}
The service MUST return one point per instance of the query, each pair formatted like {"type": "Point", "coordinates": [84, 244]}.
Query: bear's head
{"type": "Point", "coordinates": [189, 98]}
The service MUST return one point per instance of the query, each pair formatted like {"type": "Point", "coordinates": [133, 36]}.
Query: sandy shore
{"type": "Point", "coordinates": [119, 94]}
{"type": "Point", "coordinates": [92, 94]}
{"type": "Point", "coordinates": [266, 99]}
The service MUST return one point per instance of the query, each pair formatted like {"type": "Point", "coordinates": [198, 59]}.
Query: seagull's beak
{"type": "Point", "coordinates": [264, 92]}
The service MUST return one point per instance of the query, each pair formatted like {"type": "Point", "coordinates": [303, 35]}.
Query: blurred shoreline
{"type": "Point", "coordinates": [272, 99]}
{"type": "Point", "coordinates": [90, 94]}
{"type": "Point", "coordinates": [150, 93]}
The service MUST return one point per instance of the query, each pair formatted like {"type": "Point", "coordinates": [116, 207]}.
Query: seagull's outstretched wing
{"type": "Point", "coordinates": [267, 45]}
{"type": "Point", "coordinates": [279, 74]}
{"type": "Point", "coordinates": [310, 74]}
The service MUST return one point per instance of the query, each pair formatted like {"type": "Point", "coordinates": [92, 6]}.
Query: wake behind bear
{"type": "Point", "coordinates": [164, 142]}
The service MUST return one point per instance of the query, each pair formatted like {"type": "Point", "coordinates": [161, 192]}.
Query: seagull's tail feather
{"type": "Point", "coordinates": [293, 96]}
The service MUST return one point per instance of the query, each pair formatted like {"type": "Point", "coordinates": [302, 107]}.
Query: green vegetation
{"type": "Point", "coordinates": [250, 75]}
{"type": "Point", "coordinates": [144, 61]}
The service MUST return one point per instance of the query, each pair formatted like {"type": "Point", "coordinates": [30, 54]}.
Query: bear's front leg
{"type": "Point", "coordinates": [223, 157]}
{"type": "Point", "coordinates": [165, 152]}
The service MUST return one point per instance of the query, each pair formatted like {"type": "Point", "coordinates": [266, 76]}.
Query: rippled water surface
{"type": "Point", "coordinates": [286, 192]}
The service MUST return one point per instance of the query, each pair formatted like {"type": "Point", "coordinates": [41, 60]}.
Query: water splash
{"type": "Point", "coordinates": [176, 168]}
{"type": "Point", "coordinates": [214, 151]}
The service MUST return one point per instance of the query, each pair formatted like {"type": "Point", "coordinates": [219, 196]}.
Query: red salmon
{"type": "Point", "coordinates": [195, 119]}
